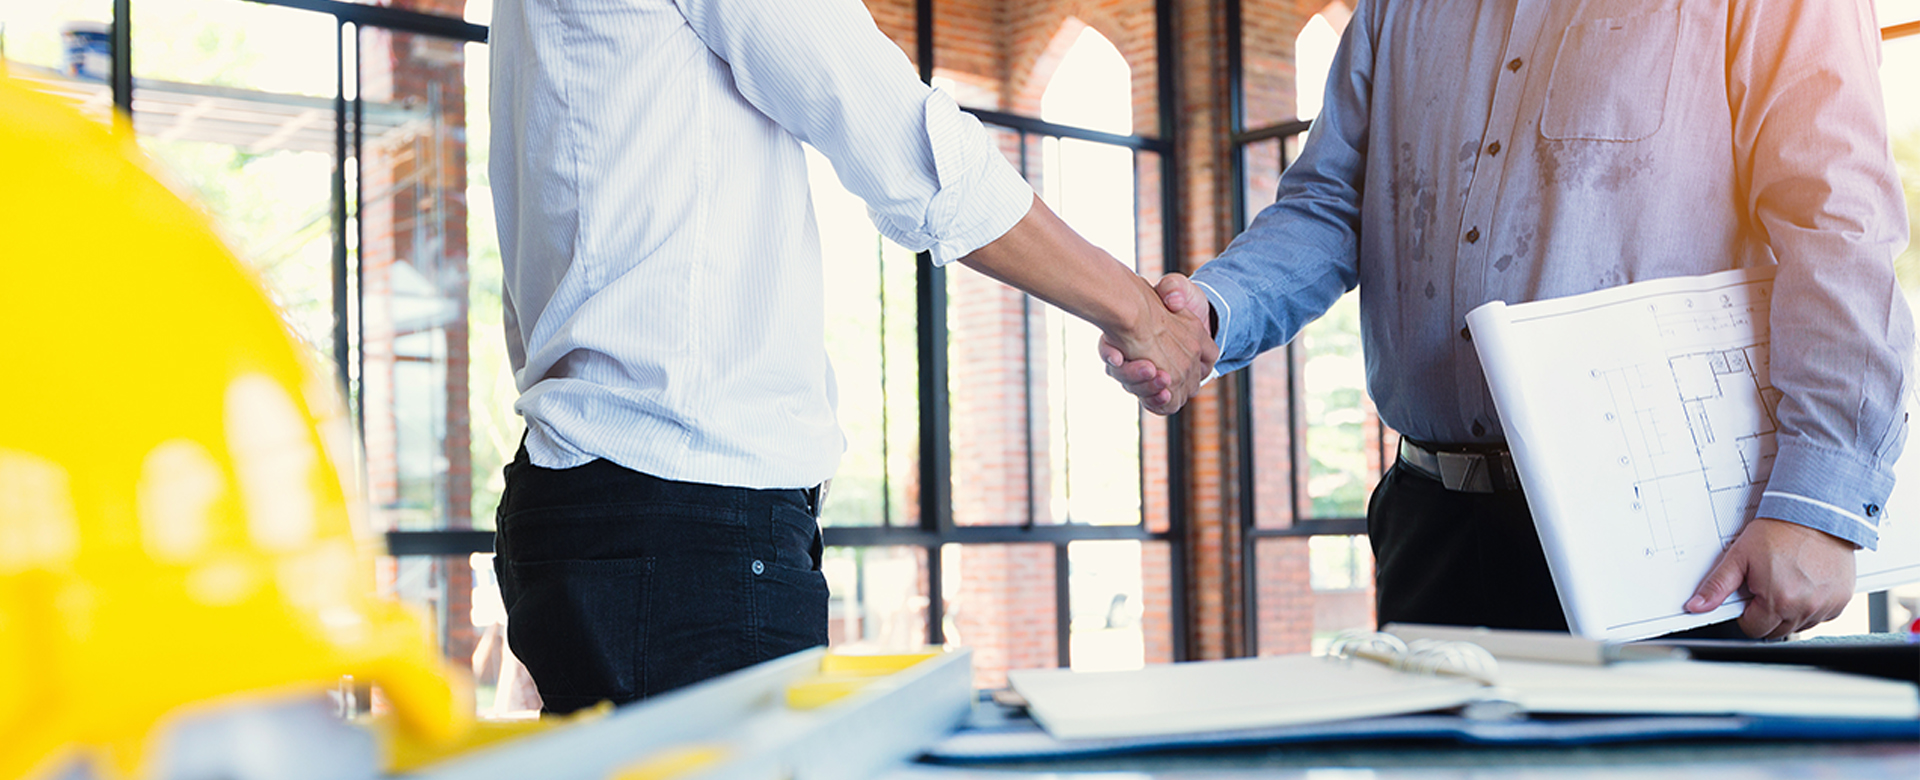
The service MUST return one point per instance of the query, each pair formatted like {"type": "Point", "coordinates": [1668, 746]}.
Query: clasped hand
{"type": "Point", "coordinates": [1165, 359]}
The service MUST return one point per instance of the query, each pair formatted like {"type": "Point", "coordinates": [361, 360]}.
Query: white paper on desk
{"type": "Point", "coordinates": [1641, 421]}
{"type": "Point", "coordinates": [1205, 696]}
{"type": "Point", "coordinates": [1682, 687]}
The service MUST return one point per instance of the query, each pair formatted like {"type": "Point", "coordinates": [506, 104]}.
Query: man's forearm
{"type": "Point", "coordinates": [1043, 256]}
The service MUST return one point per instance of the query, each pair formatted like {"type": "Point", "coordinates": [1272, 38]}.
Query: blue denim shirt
{"type": "Point", "coordinates": [1480, 150]}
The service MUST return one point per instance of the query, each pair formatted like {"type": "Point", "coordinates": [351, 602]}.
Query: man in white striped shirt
{"type": "Point", "coordinates": [664, 313]}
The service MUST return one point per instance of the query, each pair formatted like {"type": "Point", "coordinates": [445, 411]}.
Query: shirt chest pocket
{"type": "Point", "coordinates": [1610, 78]}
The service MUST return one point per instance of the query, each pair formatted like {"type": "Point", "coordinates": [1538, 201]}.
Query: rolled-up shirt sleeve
{"type": "Point", "coordinates": [1810, 129]}
{"type": "Point", "coordinates": [928, 172]}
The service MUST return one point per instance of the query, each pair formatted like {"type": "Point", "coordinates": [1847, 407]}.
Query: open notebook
{"type": "Point", "coordinates": [1372, 677]}
{"type": "Point", "coordinates": [1642, 423]}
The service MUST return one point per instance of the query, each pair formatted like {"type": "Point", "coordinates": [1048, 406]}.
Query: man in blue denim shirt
{"type": "Point", "coordinates": [1518, 150]}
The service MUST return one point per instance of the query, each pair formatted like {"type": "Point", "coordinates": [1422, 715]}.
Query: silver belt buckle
{"type": "Point", "coordinates": [1465, 472]}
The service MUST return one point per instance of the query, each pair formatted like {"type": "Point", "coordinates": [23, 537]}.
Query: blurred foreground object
{"type": "Point", "coordinates": [809, 715]}
{"type": "Point", "coordinates": [174, 534]}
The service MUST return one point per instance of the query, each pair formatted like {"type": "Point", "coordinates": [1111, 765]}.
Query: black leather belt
{"type": "Point", "coordinates": [1477, 470]}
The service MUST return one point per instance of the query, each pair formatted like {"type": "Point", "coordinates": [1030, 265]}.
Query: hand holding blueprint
{"type": "Point", "coordinates": [1641, 420]}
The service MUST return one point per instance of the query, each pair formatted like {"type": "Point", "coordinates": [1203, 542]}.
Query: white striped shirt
{"type": "Point", "coordinates": [663, 269]}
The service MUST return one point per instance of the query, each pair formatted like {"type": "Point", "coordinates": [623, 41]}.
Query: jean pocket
{"type": "Point", "coordinates": [794, 537]}
{"type": "Point", "coordinates": [1610, 78]}
{"type": "Point", "coordinates": [578, 626]}
{"type": "Point", "coordinates": [791, 609]}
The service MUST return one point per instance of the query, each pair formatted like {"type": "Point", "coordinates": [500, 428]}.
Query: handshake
{"type": "Point", "coordinates": [1169, 351]}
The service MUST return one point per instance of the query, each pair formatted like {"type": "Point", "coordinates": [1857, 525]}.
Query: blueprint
{"type": "Point", "coordinates": [1697, 429]}
{"type": "Point", "coordinates": [1644, 452]}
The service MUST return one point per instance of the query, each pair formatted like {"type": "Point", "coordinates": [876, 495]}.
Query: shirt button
{"type": "Point", "coordinates": [1473, 236]}
{"type": "Point", "coordinates": [1514, 65]}
{"type": "Point", "coordinates": [1873, 510]}
{"type": "Point", "coordinates": [1465, 333]}
{"type": "Point", "coordinates": [1493, 148]}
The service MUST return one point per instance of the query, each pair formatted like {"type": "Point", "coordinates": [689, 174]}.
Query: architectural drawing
{"type": "Point", "coordinates": [1698, 433]}
{"type": "Point", "coordinates": [1645, 450]}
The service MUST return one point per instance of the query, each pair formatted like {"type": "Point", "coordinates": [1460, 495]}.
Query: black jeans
{"type": "Point", "coordinates": [620, 585]}
{"type": "Point", "coordinates": [1465, 559]}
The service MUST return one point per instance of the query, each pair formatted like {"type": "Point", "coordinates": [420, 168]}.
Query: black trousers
{"type": "Point", "coordinates": [1465, 559]}
{"type": "Point", "coordinates": [620, 585]}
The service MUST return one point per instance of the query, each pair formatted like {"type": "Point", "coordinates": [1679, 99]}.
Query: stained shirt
{"type": "Point", "coordinates": [663, 281]}
{"type": "Point", "coordinates": [1480, 150]}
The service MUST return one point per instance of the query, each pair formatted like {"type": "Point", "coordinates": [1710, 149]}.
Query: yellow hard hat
{"type": "Point", "coordinates": [173, 526]}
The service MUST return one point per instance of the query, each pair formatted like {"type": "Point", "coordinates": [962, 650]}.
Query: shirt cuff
{"type": "Point", "coordinates": [1827, 491]}
{"type": "Point", "coordinates": [980, 195]}
{"type": "Point", "coordinates": [1222, 294]}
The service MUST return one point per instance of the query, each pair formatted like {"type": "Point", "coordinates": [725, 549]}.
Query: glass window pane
{"type": "Point", "coordinates": [1892, 12]}
{"type": "Point", "coordinates": [1284, 600]}
{"type": "Point", "coordinates": [431, 354]}
{"type": "Point", "coordinates": [460, 598]}
{"type": "Point", "coordinates": [1285, 51]}
{"type": "Point", "coordinates": [1107, 595]}
{"type": "Point", "coordinates": [240, 45]}
{"type": "Point", "coordinates": [62, 49]}
{"type": "Point", "coordinates": [414, 264]}
{"type": "Point", "coordinates": [1343, 435]}
{"type": "Point", "coordinates": [496, 427]}
{"type": "Point", "coordinates": [1313, 51]}
{"type": "Point", "coordinates": [991, 59]}
{"type": "Point", "coordinates": [1346, 446]}
{"type": "Point", "coordinates": [1340, 569]}
{"type": "Point", "coordinates": [872, 343]}
{"type": "Point", "coordinates": [478, 11]}
{"type": "Point", "coordinates": [54, 36]}
{"type": "Point", "coordinates": [1040, 434]}
{"type": "Point", "coordinates": [1093, 425]}
{"type": "Point", "coordinates": [878, 598]}
{"type": "Point", "coordinates": [227, 99]}
{"type": "Point", "coordinates": [1899, 67]}
{"type": "Point", "coordinates": [999, 601]}
{"type": "Point", "coordinates": [997, 385]}
{"type": "Point", "coordinates": [1271, 377]}
{"type": "Point", "coordinates": [502, 688]}
{"type": "Point", "coordinates": [1311, 589]}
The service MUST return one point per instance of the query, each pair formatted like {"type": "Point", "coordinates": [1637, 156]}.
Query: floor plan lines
{"type": "Point", "coordinates": [1643, 424]}
{"type": "Point", "coordinates": [1698, 432]}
